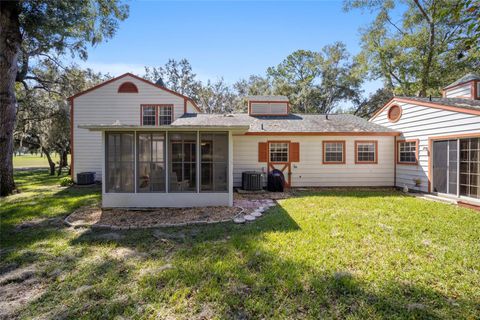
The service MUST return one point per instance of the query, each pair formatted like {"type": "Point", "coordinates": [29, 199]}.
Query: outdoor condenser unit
{"type": "Point", "coordinates": [251, 180]}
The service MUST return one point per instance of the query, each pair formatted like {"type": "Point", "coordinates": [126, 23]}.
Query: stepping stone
{"type": "Point", "coordinates": [249, 217]}
{"type": "Point", "coordinates": [256, 214]}
{"type": "Point", "coordinates": [239, 220]}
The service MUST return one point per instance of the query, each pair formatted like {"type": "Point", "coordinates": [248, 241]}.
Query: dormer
{"type": "Point", "coordinates": [467, 87]}
{"type": "Point", "coordinates": [268, 106]}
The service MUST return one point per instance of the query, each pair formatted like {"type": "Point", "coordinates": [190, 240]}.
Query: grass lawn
{"type": "Point", "coordinates": [332, 254]}
{"type": "Point", "coordinates": [34, 161]}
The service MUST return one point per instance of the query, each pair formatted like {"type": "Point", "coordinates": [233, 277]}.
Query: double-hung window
{"type": "Point", "coordinates": [278, 151]}
{"type": "Point", "coordinates": [407, 152]}
{"type": "Point", "coordinates": [365, 151]}
{"type": "Point", "coordinates": [333, 152]}
{"type": "Point", "coordinates": [156, 114]}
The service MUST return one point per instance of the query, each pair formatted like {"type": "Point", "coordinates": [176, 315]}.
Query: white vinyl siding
{"type": "Point", "coordinates": [105, 105]}
{"type": "Point", "coordinates": [270, 108]}
{"type": "Point", "coordinates": [310, 171]}
{"type": "Point", "coordinates": [463, 91]}
{"type": "Point", "coordinates": [420, 122]}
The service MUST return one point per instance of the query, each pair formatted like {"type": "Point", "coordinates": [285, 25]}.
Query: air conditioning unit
{"type": "Point", "coordinates": [251, 180]}
{"type": "Point", "coordinates": [85, 178]}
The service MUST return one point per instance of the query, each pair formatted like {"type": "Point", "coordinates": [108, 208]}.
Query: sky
{"type": "Point", "coordinates": [229, 39]}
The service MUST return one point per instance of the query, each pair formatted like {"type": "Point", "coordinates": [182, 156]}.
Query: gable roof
{"type": "Point", "coordinates": [452, 104]}
{"type": "Point", "coordinates": [128, 74]}
{"type": "Point", "coordinates": [289, 124]}
{"type": "Point", "coordinates": [466, 78]}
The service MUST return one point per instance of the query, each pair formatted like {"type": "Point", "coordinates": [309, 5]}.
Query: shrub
{"type": "Point", "coordinates": [66, 181]}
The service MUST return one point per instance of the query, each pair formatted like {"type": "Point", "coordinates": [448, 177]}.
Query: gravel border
{"type": "Point", "coordinates": [159, 225]}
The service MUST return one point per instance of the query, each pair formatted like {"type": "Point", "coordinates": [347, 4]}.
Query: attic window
{"type": "Point", "coordinates": [394, 113]}
{"type": "Point", "coordinates": [127, 87]}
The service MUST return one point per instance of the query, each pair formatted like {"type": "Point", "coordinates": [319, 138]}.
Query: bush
{"type": "Point", "coordinates": [66, 181]}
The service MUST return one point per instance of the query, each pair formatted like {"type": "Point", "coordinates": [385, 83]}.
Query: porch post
{"type": "Point", "coordinates": [230, 168]}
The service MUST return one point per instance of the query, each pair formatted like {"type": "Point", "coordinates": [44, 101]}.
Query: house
{"type": "Point", "coordinates": [438, 150]}
{"type": "Point", "coordinates": [152, 147]}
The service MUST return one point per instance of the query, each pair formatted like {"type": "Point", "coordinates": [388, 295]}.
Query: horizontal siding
{"type": "Point", "coordinates": [460, 91]}
{"type": "Point", "coordinates": [419, 122]}
{"type": "Point", "coordinates": [310, 171]}
{"type": "Point", "coordinates": [105, 106]}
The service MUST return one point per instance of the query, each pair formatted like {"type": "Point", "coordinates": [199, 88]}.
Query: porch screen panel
{"type": "Point", "coordinates": [119, 162]}
{"type": "Point", "coordinates": [214, 162]}
{"type": "Point", "coordinates": [182, 162]}
{"type": "Point", "coordinates": [470, 167]}
{"type": "Point", "coordinates": [151, 162]}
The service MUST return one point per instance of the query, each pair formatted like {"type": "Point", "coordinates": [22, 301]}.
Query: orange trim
{"type": "Point", "coordinates": [425, 104]}
{"type": "Point", "coordinates": [128, 74]}
{"type": "Point", "coordinates": [127, 87]}
{"type": "Point", "coordinates": [457, 85]}
{"type": "Point", "coordinates": [393, 120]}
{"type": "Point", "coordinates": [267, 114]}
{"type": "Point", "coordinates": [395, 162]}
{"type": "Point", "coordinates": [397, 152]}
{"type": "Point", "coordinates": [344, 155]}
{"type": "Point", "coordinates": [349, 134]}
{"type": "Point", "coordinates": [184, 105]}
{"type": "Point", "coordinates": [71, 139]}
{"type": "Point", "coordinates": [430, 150]}
{"type": "Point", "coordinates": [375, 142]}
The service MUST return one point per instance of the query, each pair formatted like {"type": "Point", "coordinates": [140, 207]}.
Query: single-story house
{"type": "Point", "coordinates": [152, 147]}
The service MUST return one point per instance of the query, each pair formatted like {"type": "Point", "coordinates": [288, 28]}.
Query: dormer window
{"type": "Point", "coordinates": [127, 87]}
{"type": "Point", "coordinates": [268, 106]}
{"type": "Point", "coordinates": [467, 87]}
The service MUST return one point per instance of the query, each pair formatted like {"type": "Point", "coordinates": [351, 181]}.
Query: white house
{"type": "Point", "coordinates": [439, 147]}
{"type": "Point", "coordinates": [151, 147]}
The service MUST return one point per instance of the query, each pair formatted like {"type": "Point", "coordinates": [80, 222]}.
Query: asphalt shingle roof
{"type": "Point", "coordinates": [289, 123]}
{"type": "Point", "coordinates": [468, 77]}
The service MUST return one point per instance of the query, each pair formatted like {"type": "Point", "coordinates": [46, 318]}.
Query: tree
{"type": "Point", "coordinates": [35, 29]}
{"type": "Point", "coordinates": [177, 76]}
{"type": "Point", "coordinates": [417, 55]}
{"type": "Point", "coordinates": [253, 86]}
{"type": "Point", "coordinates": [216, 97]}
{"type": "Point", "coordinates": [374, 102]}
{"type": "Point", "coordinates": [43, 117]}
{"type": "Point", "coordinates": [317, 81]}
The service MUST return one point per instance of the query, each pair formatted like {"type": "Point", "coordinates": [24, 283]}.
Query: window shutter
{"type": "Point", "coordinates": [294, 152]}
{"type": "Point", "coordinates": [262, 152]}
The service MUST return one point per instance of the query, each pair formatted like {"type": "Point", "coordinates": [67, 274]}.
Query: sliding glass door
{"type": "Point", "coordinates": [470, 167]}
{"type": "Point", "coordinates": [456, 167]}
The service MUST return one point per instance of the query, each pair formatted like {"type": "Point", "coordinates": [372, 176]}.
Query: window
{"type": "Point", "coordinates": [214, 161]}
{"type": "Point", "coordinates": [182, 161]}
{"type": "Point", "coordinates": [148, 115]}
{"type": "Point", "coordinates": [119, 162]}
{"type": "Point", "coordinates": [366, 151]}
{"type": "Point", "coordinates": [151, 165]}
{"type": "Point", "coordinates": [278, 151]}
{"type": "Point", "coordinates": [470, 167]}
{"type": "Point", "coordinates": [165, 114]}
{"type": "Point", "coordinates": [394, 113]}
{"type": "Point", "coordinates": [157, 114]}
{"type": "Point", "coordinates": [407, 152]}
{"type": "Point", "coordinates": [333, 152]}
{"type": "Point", "coordinates": [127, 87]}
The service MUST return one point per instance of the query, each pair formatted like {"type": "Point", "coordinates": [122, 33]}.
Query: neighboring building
{"type": "Point", "coordinates": [439, 144]}
{"type": "Point", "coordinates": [151, 147]}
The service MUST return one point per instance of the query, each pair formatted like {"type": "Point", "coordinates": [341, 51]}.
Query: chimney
{"type": "Point", "coordinates": [160, 82]}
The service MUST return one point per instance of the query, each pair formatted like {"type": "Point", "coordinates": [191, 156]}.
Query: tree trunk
{"type": "Point", "coordinates": [63, 162]}
{"type": "Point", "coordinates": [51, 163]}
{"type": "Point", "coordinates": [10, 41]}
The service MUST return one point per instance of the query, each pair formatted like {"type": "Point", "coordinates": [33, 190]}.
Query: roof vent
{"type": "Point", "coordinates": [160, 82]}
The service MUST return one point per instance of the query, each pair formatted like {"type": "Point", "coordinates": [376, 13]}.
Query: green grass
{"type": "Point", "coordinates": [335, 254]}
{"type": "Point", "coordinates": [33, 161]}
